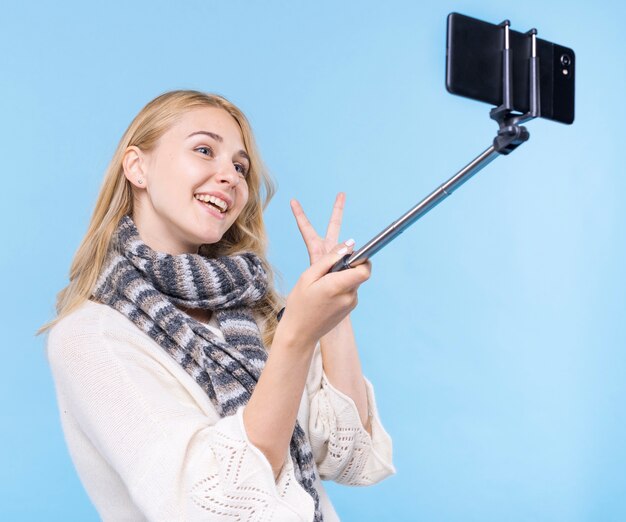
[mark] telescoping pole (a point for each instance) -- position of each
(405, 221)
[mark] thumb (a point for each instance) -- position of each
(322, 266)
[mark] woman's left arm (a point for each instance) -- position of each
(340, 357)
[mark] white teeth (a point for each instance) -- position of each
(213, 199)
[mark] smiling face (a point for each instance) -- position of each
(193, 183)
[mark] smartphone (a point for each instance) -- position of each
(474, 68)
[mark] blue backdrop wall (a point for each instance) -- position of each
(493, 330)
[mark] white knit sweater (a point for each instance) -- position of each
(148, 443)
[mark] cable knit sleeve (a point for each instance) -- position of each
(177, 459)
(344, 451)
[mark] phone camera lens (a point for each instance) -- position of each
(566, 60)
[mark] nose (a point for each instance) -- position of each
(226, 173)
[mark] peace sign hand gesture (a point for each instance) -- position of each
(316, 245)
(321, 300)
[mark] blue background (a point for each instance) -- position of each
(493, 329)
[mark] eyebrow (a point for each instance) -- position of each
(219, 139)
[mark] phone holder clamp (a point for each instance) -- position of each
(511, 134)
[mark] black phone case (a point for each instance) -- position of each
(474, 67)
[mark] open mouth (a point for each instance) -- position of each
(211, 201)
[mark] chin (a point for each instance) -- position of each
(211, 236)
(209, 241)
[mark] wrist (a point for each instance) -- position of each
(343, 326)
(290, 340)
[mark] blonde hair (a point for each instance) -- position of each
(116, 200)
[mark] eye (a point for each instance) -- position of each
(207, 151)
(241, 169)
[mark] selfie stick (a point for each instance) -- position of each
(510, 136)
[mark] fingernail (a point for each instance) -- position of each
(350, 242)
(343, 251)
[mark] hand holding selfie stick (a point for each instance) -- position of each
(510, 136)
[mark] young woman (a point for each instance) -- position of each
(181, 395)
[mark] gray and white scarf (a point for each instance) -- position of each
(145, 285)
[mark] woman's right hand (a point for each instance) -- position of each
(320, 300)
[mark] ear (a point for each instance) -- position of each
(134, 165)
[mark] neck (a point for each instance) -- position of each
(158, 236)
(199, 314)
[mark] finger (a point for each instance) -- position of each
(326, 262)
(363, 271)
(304, 225)
(352, 278)
(345, 281)
(334, 225)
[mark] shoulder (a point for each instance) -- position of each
(89, 320)
(96, 345)
(91, 329)
(83, 322)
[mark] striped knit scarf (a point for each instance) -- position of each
(145, 286)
